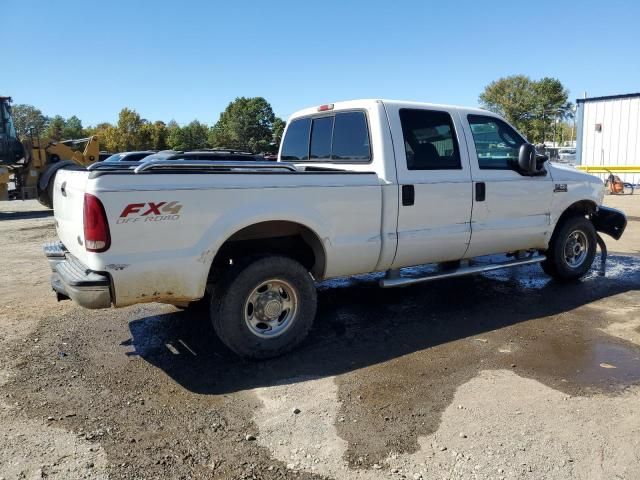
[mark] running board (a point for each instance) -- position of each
(397, 281)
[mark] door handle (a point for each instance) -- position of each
(481, 192)
(408, 195)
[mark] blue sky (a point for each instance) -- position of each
(187, 59)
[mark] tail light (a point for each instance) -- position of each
(96, 227)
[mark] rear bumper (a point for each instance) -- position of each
(71, 279)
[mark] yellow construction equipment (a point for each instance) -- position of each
(33, 163)
(34, 178)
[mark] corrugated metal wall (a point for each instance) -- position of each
(617, 139)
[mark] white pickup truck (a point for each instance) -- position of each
(359, 186)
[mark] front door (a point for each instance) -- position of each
(511, 211)
(435, 186)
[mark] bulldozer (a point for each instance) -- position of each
(33, 162)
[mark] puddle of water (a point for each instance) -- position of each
(610, 364)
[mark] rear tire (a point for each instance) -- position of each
(571, 250)
(264, 308)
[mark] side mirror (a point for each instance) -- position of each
(527, 158)
(531, 162)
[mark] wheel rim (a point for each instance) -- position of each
(271, 308)
(576, 248)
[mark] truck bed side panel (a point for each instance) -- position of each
(165, 236)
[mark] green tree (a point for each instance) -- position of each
(72, 128)
(193, 136)
(246, 124)
(154, 136)
(277, 131)
(128, 130)
(531, 106)
(28, 120)
(108, 138)
(551, 106)
(54, 129)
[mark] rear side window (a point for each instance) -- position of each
(296, 142)
(343, 137)
(351, 138)
(429, 140)
(497, 144)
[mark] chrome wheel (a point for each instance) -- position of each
(271, 308)
(576, 248)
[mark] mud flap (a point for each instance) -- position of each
(603, 255)
(610, 221)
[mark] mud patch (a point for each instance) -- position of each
(523, 429)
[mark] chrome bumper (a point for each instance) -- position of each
(71, 279)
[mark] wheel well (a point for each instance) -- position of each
(273, 237)
(583, 207)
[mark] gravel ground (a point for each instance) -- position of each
(503, 375)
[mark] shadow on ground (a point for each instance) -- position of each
(359, 325)
(26, 215)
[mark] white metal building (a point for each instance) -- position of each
(609, 133)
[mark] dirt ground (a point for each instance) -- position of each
(502, 375)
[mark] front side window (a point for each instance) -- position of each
(295, 146)
(497, 144)
(343, 137)
(429, 140)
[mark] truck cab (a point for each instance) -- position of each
(461, 190)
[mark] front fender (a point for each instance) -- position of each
(610, 221)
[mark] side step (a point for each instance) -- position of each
(54, 249)
(394, 280)
(55, 253)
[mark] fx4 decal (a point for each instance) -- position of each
(150, 212)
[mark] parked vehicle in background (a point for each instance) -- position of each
(361, 186)
(102, 156)
(129, 156)
(567, 155)
(212, 154)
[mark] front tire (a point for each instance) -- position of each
(264, 308)
(571, 250)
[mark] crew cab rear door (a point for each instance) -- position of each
(434, 175)
(511, 211)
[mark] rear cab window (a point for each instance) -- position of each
(429, 140)
(339, 137)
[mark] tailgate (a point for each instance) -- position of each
(68, 203)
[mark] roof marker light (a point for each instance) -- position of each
(324, 108)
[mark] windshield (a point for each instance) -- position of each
(114, 158)
(6, 115)
(159, 156)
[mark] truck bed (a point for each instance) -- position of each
(167, 222)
